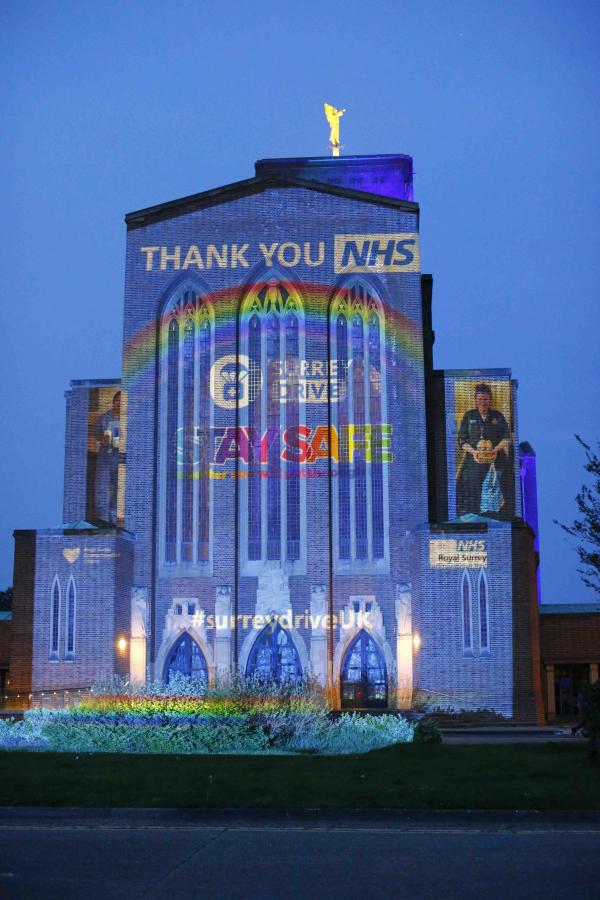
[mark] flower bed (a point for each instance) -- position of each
(239, 718)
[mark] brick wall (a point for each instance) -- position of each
(76, 445)
(5, 628)
(527, 686)
(21, 639)
(570, 637)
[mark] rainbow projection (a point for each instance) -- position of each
(235, 382)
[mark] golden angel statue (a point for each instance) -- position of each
(333, 117)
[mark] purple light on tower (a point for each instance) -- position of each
(529, 499)
(387, 174)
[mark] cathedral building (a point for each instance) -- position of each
(280, 483)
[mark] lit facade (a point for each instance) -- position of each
(279, 483)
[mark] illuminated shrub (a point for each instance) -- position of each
(243, 717)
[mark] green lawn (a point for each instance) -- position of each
(545, 776)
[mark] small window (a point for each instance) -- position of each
(70, 633)
(191, 609)
(178, 609)
(467, 618)
(54, 618)
(484, 619)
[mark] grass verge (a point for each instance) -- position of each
(545, 776)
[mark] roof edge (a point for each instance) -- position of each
(141, 217)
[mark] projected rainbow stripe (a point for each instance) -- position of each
(402, 334)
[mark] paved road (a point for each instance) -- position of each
(437, 857)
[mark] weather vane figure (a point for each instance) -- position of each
(333, 117)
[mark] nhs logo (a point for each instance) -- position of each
(376, 253)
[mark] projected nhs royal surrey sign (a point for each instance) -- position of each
(376, 253)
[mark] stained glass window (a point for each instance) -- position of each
(364, 674)
(359, 412)
(271, 329)
(344, 395)
(172, 434)
(187, 485)
(374, 377)
(273, 424)
(187, 348)
(254, 465)
(204, 442)
(292, 420)
(274, 656)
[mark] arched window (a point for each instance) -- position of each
(484, 616)
(467, 612)
(274, 656)
(364, 674)
(70, 619)
(272, 496)
(186, 658)
(186, 353)
(358, 411)
(54, 617)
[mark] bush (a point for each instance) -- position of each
(235, 717)
(427, 732)
(27, 733)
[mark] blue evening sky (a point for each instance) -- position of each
(108, 107)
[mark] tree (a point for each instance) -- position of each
(6, 600)
(586, 529)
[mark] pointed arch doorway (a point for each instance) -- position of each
(363, 675)
(274, 656)
(186, 658)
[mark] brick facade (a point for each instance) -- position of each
(416, 609)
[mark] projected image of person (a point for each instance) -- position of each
(107, 432)
(482, 484)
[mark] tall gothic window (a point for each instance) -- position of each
(70, 619)
(186, 352)
(272, 496)
(54, 617)
(467, 612)
(358, 408)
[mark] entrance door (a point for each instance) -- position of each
(364, 675)
(187, 658)
(274, 657)
(569, 682)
